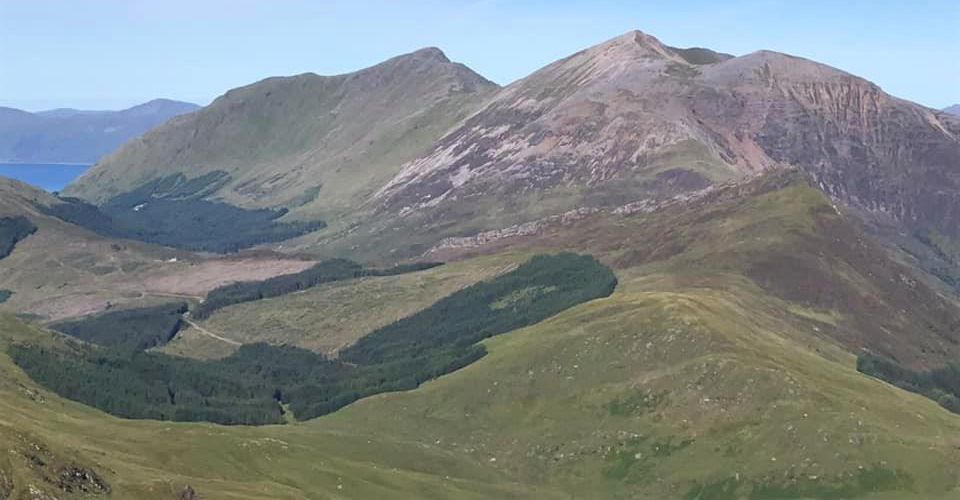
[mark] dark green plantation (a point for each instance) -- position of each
(5, 295)
(12, 230)
(171, 211)
(324, 272)
(941, 385)
(128, 329)
(247, 387)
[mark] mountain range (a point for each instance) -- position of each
(642, 271)
(77, 136)
(626, 120)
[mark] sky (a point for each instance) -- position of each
(112, 54)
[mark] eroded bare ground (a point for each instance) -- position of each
(201, 277)
(161, 282)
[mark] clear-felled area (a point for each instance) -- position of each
(172, 211)
(255, 384)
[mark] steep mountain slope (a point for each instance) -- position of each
(784, 237)
(76, 136)
(401, 155)
(721, 368)
(632, 118)
(953, 110)
(313, 143)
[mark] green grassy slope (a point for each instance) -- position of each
(153, 460)
(330, 317)
(700, 377)
(316, 144)
(787, 239)
(704, 375)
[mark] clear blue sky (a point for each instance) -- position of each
(108, 54)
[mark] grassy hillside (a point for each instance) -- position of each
(705, 375)
(329, 317)
(786, 238)
(315, 144)
(261, 383)
(701, 377)
(46, 436)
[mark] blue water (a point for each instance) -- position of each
(43, 175)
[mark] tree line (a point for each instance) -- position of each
(128, 329)
(325, 272)
(249, 386)
(941, 384)
(171, 211)
(12, 231)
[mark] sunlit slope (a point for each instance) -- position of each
(789, 241)
(701, 377)
(329, 317)
(704, 375)
(654, 394)
(316, 144)
(155, 460)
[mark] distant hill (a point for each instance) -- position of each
(953, 110)
(78, 136)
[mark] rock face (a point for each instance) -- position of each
(302, 140)
(632, 117)
(886, 156)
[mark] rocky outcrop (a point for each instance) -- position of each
(66, 476)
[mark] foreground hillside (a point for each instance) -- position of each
(704, 375)
(76, 136)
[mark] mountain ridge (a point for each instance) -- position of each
(625, 120)
(308, 142)
(731, 118)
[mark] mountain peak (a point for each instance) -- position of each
(430, 53)
(634, 41)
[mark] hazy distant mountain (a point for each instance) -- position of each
(954, 110)
(78, 136)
